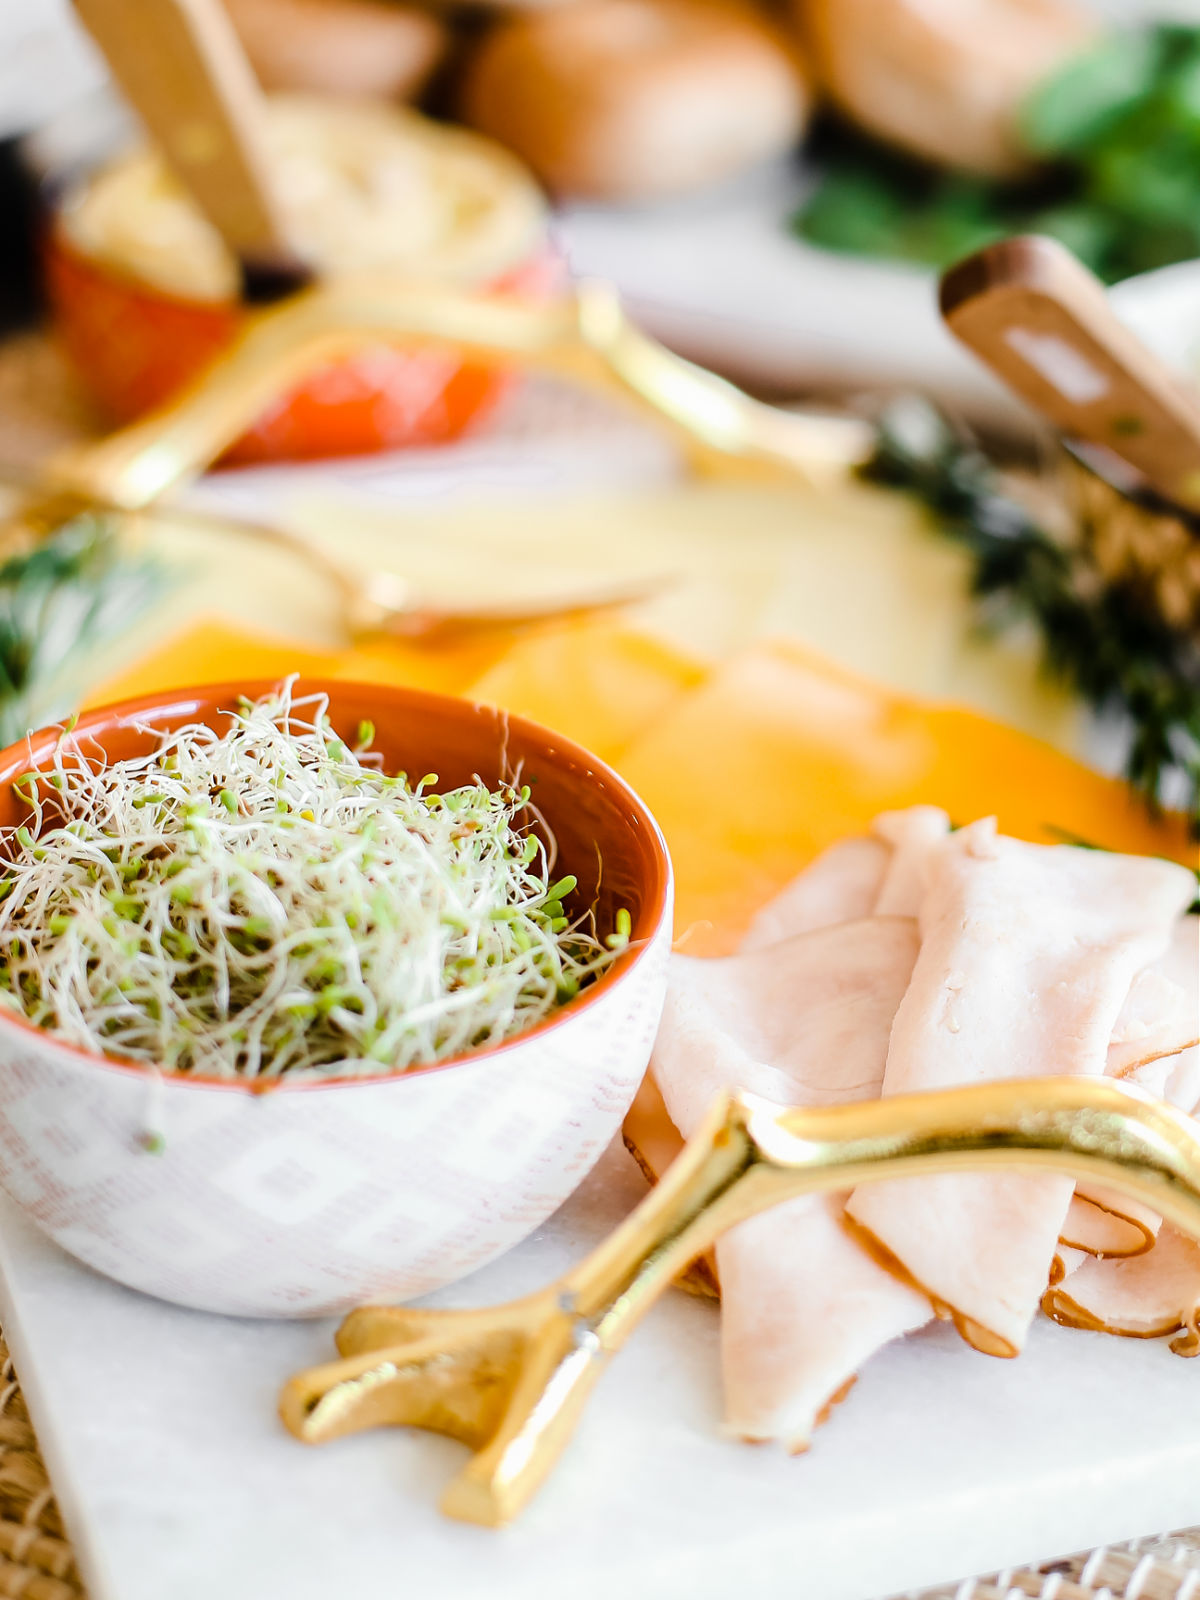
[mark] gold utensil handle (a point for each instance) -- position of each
(709, 411)
(751, 1155)
(278, 347)
(511, 1380)
(585, 339)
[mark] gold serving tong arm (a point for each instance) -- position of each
(373, 600)
(510, 1381)
(584, 336)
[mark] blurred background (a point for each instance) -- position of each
(764, 183)
(773, 188)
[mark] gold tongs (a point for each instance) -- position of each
(510, 1381)
(373, 600)
(584, 336)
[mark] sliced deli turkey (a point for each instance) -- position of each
(920, 958)
(1027, 955)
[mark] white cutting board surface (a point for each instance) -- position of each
(158, 1424)
(178, 1483)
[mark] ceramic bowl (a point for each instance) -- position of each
(312, 1197)
(134, 348)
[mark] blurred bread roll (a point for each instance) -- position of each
(943, 79)
(637, 99)
(353, 48)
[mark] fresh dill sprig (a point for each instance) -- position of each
(1103, 640)
(58, 601)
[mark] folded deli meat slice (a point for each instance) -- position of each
(1027, 955)
(1154, 1045)
(1101, 1223)
(1066, 1261)
(841, 885)
(911, 835)
(1144, 1298)
(1161, 1013)
(1174, 1078)
(802, 1310)
(876, 874)
(803, 1023)
(1181, 1084)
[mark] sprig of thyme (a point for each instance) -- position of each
(59, 601)
(1103, 640)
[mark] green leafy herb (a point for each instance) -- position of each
(57, 602)
(1119, 130)
(874, 201)
(1103, 640)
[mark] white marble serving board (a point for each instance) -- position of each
(177, 1482)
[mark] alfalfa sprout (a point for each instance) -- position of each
(267, 901)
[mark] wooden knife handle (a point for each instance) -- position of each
(181, 67)
(1044, 324)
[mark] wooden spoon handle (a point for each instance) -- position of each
(181, 67)
(1044, 324)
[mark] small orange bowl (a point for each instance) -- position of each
(317, 1195)
(135, 346)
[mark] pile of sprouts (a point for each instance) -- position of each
(267, 901)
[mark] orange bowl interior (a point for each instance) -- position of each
(605, 836)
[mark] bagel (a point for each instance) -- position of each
(637, 99)
(942, 79)
(350, 48)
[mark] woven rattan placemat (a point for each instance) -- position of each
(36, 1561)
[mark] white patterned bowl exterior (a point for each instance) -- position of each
(312, 1197)
(309, 1200)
